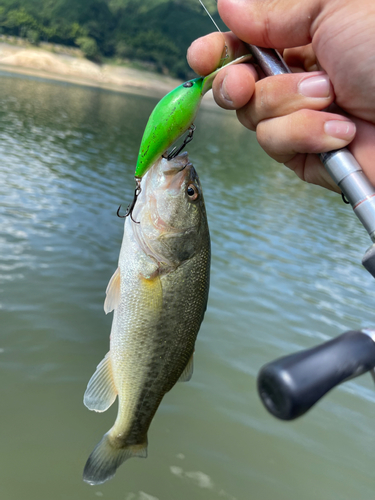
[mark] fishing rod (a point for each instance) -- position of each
(291, 385)
(340, 164)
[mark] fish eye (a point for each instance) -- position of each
(192, 192)
(188, 84)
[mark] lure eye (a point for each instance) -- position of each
(188, 84)
(192, 192)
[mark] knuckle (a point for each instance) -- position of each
(275, 96)
(266, 136)
(263, 102)
(245, 118)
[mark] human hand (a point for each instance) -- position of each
(285, 110)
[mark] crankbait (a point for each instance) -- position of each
(172, 117)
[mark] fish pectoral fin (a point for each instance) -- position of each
(148, 268)
(188, 371)
(113, 292)
(101, 391)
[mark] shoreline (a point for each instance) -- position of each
(75, 69)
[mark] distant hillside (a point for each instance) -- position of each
(148, 4)
(157, 32)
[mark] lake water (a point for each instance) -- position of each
(286, 275)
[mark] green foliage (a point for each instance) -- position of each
(77, 31)
(154, 31)
(33, 36)
(18, 21)
(150, 46)
(123, 50)
(88, 46)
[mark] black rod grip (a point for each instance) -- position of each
(291, 385)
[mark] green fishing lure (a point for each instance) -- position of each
(172, 117)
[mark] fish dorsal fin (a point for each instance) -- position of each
(101, 391)
(188, 371)
(113, 292)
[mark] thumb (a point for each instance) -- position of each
(269, 23)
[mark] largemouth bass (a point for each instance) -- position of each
(159, 295)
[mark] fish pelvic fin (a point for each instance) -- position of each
(107, 457)
(101, 391)
(113, 292)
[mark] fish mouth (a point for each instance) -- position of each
(180, 162)
(173, 171)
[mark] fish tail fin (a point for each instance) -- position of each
(107, 457)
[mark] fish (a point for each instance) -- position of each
(159, 296)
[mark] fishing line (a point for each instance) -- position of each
(219, 30)
(209, 15)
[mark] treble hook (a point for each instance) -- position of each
(129, 210)
(175, 152)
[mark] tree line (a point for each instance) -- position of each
(157, 32)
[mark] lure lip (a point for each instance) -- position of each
(208, 80)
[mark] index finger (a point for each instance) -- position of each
(205, 54)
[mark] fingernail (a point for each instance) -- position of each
(224, 92)
(340, 129)
(315, 86)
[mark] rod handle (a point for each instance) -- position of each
(290, 386)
